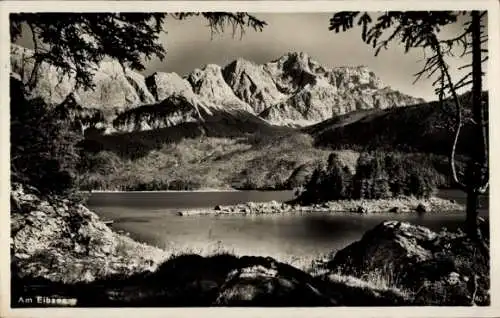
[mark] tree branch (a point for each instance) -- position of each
(458, 113)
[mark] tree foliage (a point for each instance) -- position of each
(379, 175)
(77, 42)
(421, 30)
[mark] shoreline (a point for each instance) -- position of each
(166, 191)
(400, 205)
(211, 190)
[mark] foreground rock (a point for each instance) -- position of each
(61, 249)
(222, 280)
(396, 205)
(66, 243)
(435, 268)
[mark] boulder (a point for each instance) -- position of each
(436, 266)
(391, 246)
(270, 283)
(261, 286)
(362, 210)
(252, 205)
(395, 210)
(56, 239)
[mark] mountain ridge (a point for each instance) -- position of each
(292, 90)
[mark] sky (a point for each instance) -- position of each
(191, 45)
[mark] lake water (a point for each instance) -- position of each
(150, 217)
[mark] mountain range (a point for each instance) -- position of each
(293, 90)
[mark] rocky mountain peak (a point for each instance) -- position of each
(252, 83)
(209, 83)
(294, 89)
(350, 77)
(163, 85)
(293, 62)
(115, 87)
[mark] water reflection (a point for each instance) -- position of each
(283, 236)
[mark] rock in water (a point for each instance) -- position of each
(395, 210)
(423, 208)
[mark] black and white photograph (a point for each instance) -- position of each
(249, 158)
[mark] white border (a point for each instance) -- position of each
(250, 6)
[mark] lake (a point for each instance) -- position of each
(150, 217)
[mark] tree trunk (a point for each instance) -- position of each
(477, 169)
(471, 221)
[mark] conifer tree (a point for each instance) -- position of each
(421, 30)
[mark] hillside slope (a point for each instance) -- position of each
(419, 128)
(246, 153)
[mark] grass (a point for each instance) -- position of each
(376, 282)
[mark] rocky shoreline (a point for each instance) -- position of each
(61, 249)
(64, 242)
(395, 205)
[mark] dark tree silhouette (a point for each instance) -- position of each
(421, 30)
